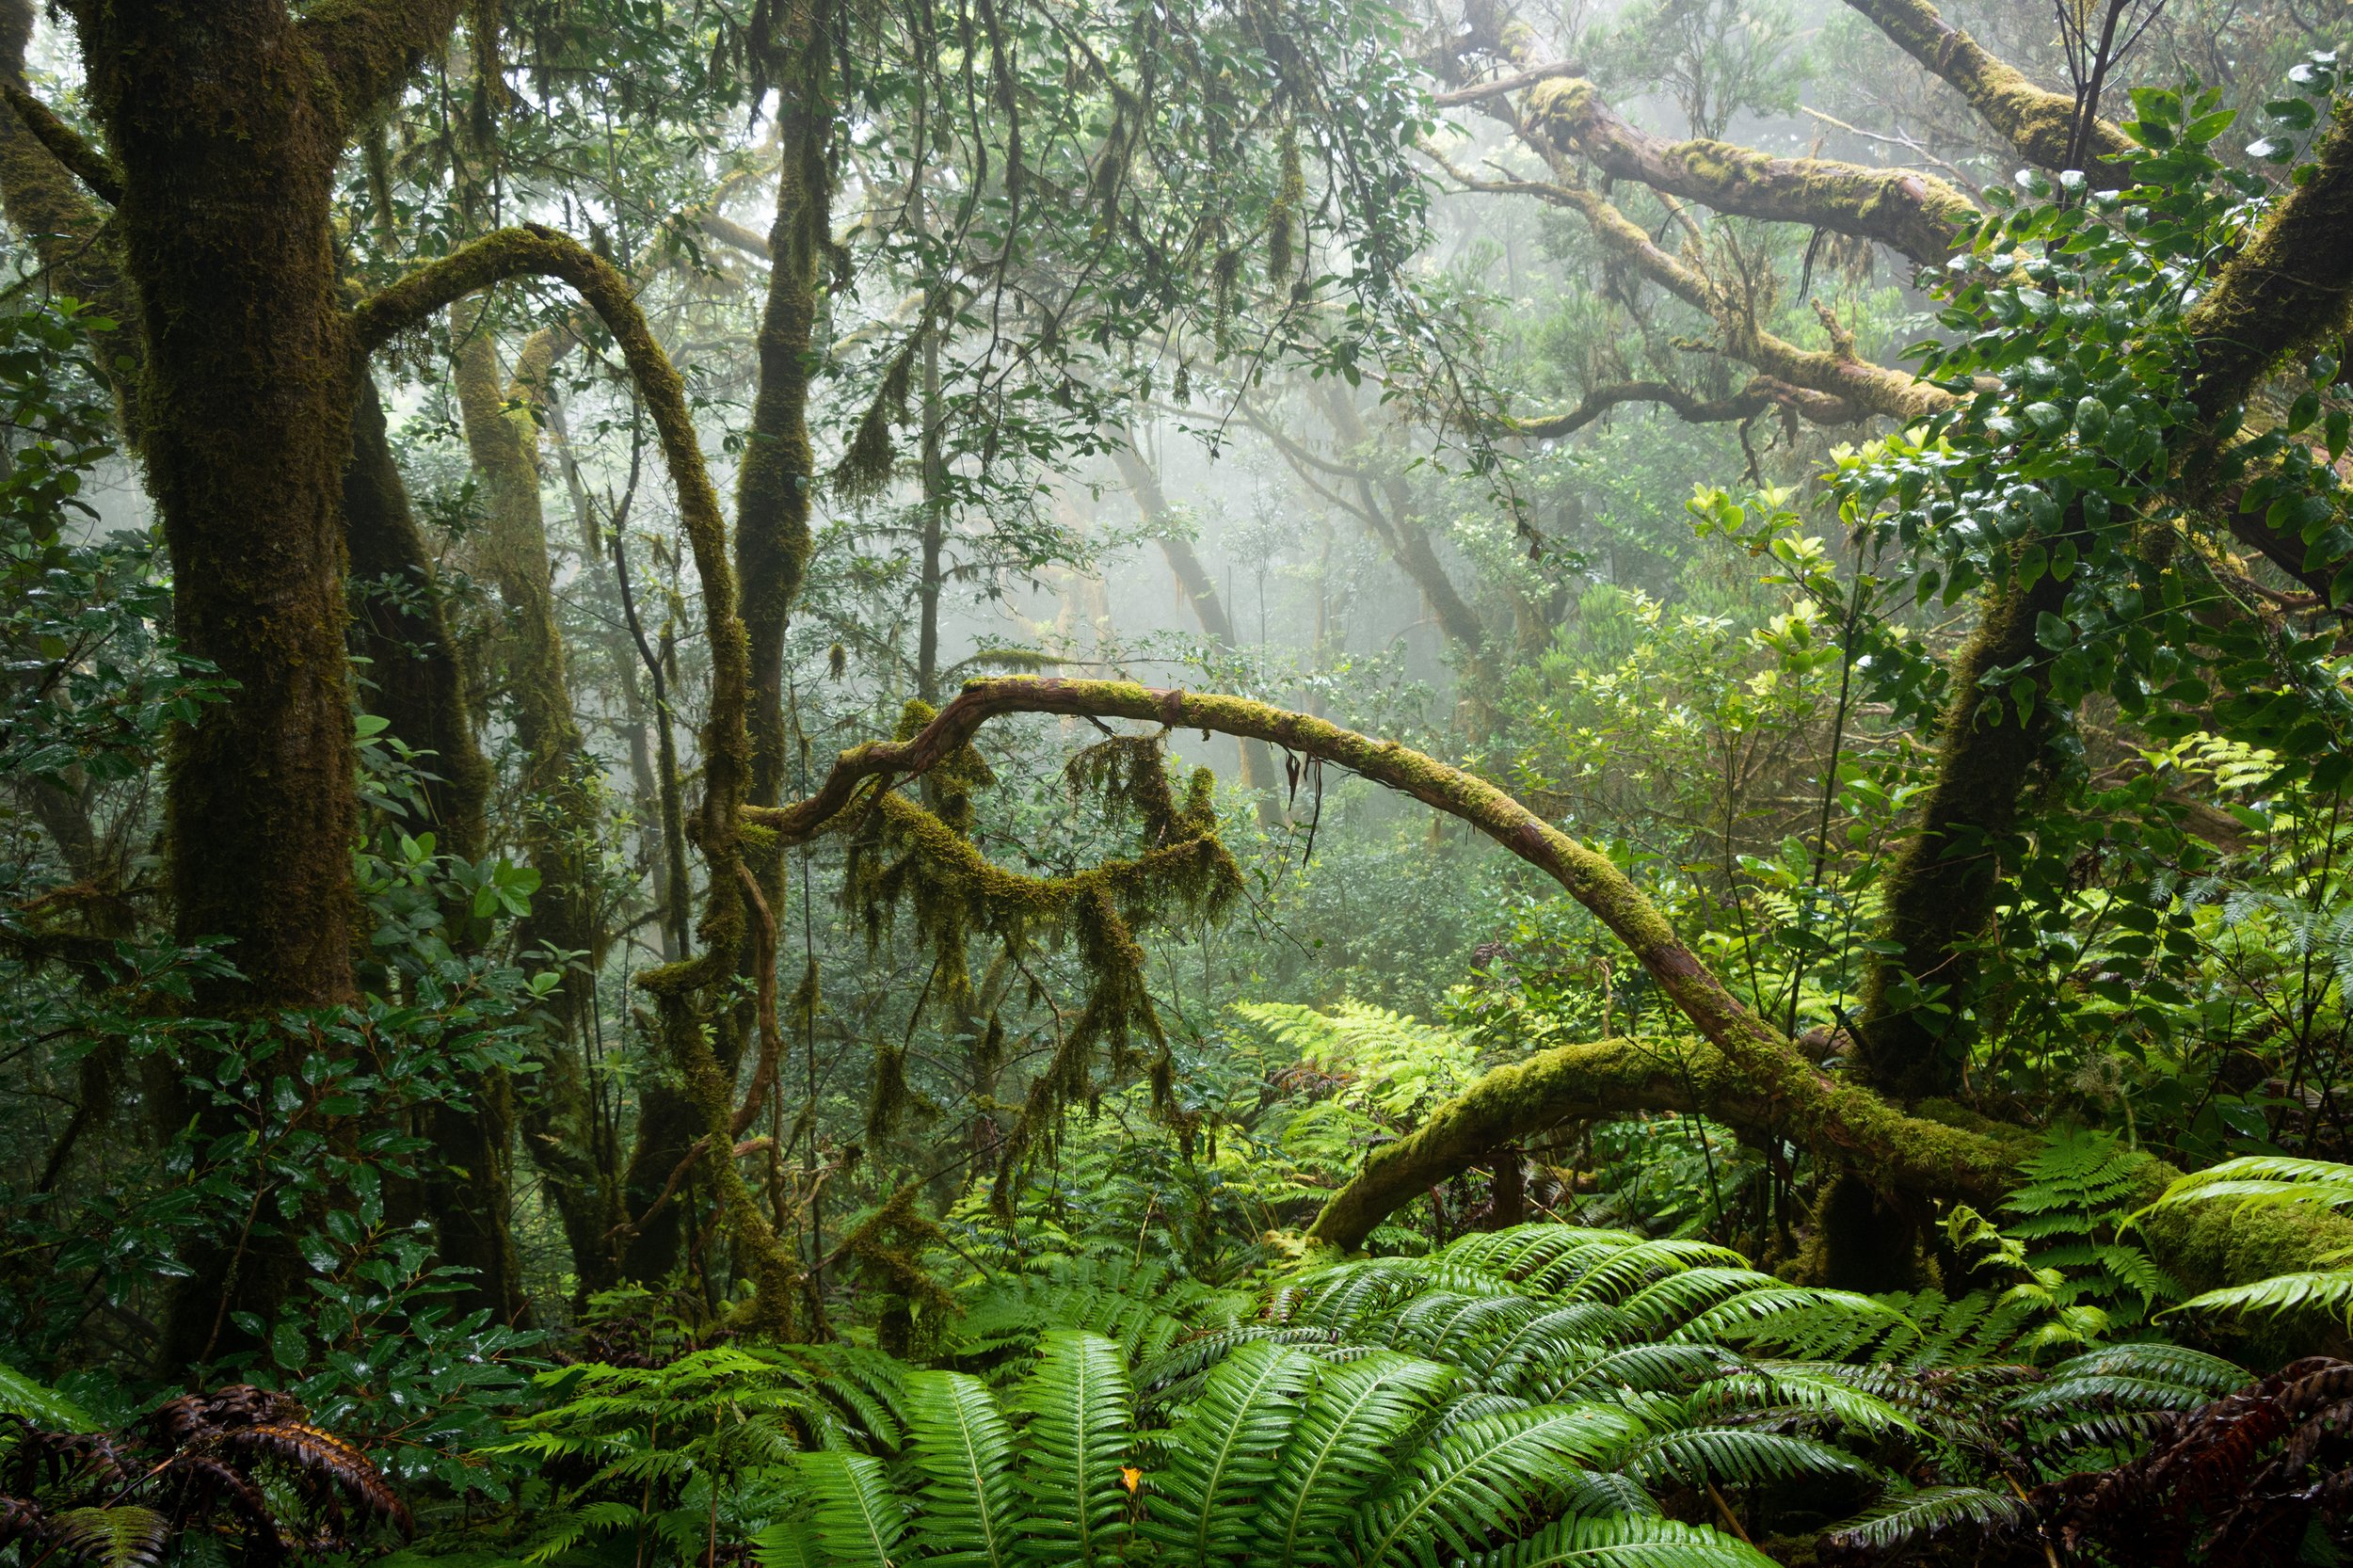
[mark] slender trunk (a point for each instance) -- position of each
(413, 680)
(1947, 877)
(1257, 762)
(935, 526)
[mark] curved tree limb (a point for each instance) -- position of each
(2034, 120)
(1839, 1119)
(1836, 371)
(65, 144)
(536, 251)
(2206, 1245)
(1761, 394)
(1914, 213)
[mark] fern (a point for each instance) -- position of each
(1908, 1517)
(856, 1518)
(1482, 1479)
(1623, 1541)
(1340, 1446)
(121, 1537)
(1081, 1428)
(960, 1442)
(1225, 1452)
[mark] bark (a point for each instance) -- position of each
(2290, 287)
(1409, 542)
(224, 123)
(1948, 877)
(2207, 1247)
(1915, 214)
(2035, 121)
(686, 991)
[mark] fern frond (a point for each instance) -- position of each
(124, 1537)
(2263, 1179)
(1221, 1456)
(1344, 1445)
(1623, 1541)
(2326, 1291)
(1080, 1432)
(959, 1443)
(1740, 1455)
(1910, 1517)
(1480, 1478)
(858, 1521)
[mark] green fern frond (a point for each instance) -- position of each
(1486, 1474)
(124, 1537)
(856, 1518)
(788, 1544)
(959, 1442)
(2263, 1179)
(1738, 1455)
(1911, 1518)
(1080, 1432)
(2195, 1372)
(1623, 1541)
(2328, 1293)
(1223, 1455)
(1344, 1445)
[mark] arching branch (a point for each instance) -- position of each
(65, 144)
(1761, 394)
(1839, 1119)
(1915, 214)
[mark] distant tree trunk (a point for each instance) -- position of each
(1257, 762)
(417, 687)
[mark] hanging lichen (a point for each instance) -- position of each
(919, 860)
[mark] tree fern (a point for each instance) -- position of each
(957, 1439)
(1080, 1432)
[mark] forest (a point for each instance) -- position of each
(1176, 783)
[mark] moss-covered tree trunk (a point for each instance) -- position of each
(224, 122)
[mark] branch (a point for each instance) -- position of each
(2208, 1245)
(65, 144)
(2034, 120)
(371, 47)
(1863, 388)
(2290, 286)
(1915, 214)
(1838, 1119)
(1480, 92)
(1722, 410)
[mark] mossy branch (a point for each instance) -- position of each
(1915, 214)
(66, 145)
(2291, 286)
(1839, 1119)
(369, 48)
(536, 251)
(2034, 120)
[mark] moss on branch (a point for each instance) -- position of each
(1915, 214)
(2035, 121)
